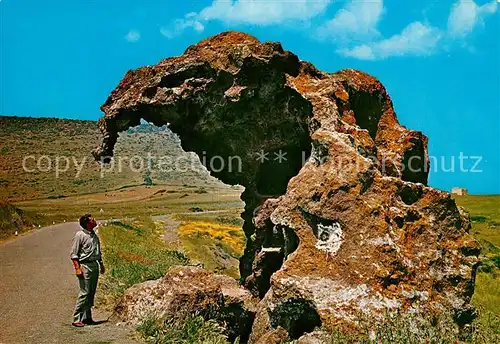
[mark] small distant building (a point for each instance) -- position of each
(459, 191)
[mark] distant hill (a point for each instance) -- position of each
(13, 219)
(43, 141)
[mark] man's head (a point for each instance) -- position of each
(88, 222)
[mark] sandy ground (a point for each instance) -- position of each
(38, 290)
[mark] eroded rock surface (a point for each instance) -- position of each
(186, 290)
(346, 224)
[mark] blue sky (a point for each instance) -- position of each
(439, 60)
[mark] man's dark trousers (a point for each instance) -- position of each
(88, 287)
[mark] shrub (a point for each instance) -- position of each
(479, 218)
(148, 181)
(229, 220)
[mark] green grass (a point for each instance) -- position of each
(193, 329)
(134, 252)
(485, 217)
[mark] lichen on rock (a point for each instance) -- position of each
(188, 290)
(346, 222)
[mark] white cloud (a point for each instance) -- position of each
(355, 20)
(415, 39)
(180, 25)
(255, 12)
(361, 52)
(465, 15)
(133, 36)
(262, 12)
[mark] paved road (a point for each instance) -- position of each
(38, 291)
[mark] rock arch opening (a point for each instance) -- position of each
(244, 113)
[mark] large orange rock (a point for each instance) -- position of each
(343, 223)
(187, 290)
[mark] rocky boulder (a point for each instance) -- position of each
(187, 290)
(338, 218)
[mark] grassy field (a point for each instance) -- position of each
(217, 247)
(134, 252)
(136, 201)
(485, 216)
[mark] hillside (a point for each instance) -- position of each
(44, 143)
(13, 219)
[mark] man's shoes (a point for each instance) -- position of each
(78, 324)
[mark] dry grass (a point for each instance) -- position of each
(74, 139)
(134, 202)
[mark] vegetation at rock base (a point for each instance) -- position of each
(213, 246)
(409, 328)
(193, 329)
(227, 236)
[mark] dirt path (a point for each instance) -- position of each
(170, 236)
(38, 291)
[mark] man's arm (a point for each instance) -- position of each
(75, 249)
(101, 265)
(78, 269)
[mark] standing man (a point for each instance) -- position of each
(87, 260)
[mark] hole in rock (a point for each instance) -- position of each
(238, 322)
(367, 111)
(271, 178)
(412, 216)
(316, 197)
(415, 165)
(282, 164)
(297, 316)
(409, 194)
(400, 221)
(277, 244)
